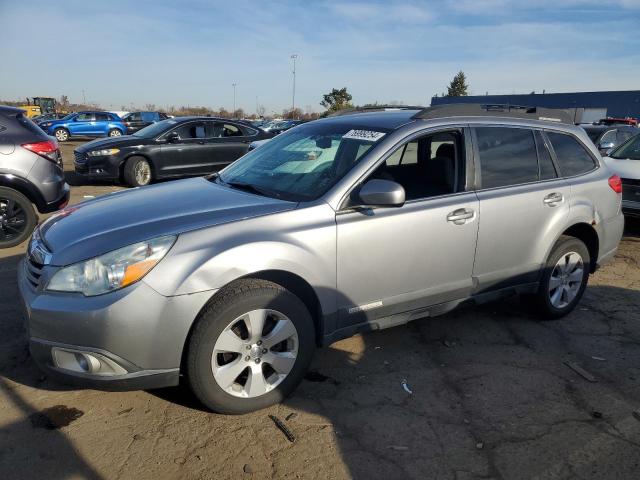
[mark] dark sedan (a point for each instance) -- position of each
(135, 121)
(172, 148)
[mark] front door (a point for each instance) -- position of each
(81, 124)
(185, 156)
(394, 260)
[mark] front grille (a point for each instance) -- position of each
(33, 271)
(80, 157)
(631, 189)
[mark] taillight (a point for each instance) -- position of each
(48, 150)
(615, 183)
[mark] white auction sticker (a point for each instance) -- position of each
(366, 135)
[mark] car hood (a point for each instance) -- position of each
(122, 218)
(112, 142)
(623, 167)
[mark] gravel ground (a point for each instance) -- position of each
(492, 397)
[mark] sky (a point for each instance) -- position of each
(173, 53)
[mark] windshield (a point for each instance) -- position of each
(303, 163)
(156, 129)
(594, 133)
(630, 149)
(67, 117)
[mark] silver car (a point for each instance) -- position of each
(625, 161)
(343, 225)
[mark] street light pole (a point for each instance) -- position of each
(293, 100)
(234, 98)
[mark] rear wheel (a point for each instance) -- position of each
(137, 172)
(17, 218)
(114, 132)
(564, 278)
(250, 348)
(61, 134)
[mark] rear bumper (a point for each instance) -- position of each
(58, 203)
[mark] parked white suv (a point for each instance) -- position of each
(352, 223)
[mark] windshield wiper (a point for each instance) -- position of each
(248, 187)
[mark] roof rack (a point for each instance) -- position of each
(374, 108)
(557, 115)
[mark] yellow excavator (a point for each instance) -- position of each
(39, 106)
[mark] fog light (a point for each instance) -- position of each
(85, 362)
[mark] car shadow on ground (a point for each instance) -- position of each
(479, 392)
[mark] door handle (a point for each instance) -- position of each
(553, 199)
(460, 216)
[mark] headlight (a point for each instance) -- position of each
(46, 124)
(113, 270)
(103, 153)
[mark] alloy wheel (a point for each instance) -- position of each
(255, 353)
(115, 133)
(62, 135)
(142, 173)
(13, 219)
(566, 279)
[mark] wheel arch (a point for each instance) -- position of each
(25, 187)
(589, 236)
(292, 282)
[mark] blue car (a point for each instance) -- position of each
(85, 124)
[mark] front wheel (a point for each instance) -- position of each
(137, 172)
(17, 218)
(250, 348)
(115, 132)
(564, 278)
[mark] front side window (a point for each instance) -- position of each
(609, 137)
(507, 156)
(148, 116)
(571, 155)
(191, 130)
(133, 117)
(84, 117)
(427, 166)
(624, 135)
(305, 163)
(630, 149)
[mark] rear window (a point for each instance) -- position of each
(507, 156)
(28, 124)
(572, 156)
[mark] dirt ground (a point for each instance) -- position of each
(492, 397)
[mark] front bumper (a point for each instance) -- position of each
(631, 208)
(135, 328)
(107, 167)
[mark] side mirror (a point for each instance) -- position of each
(173, 137)
(606, 145)
(381, 193)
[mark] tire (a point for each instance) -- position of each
(61, 134)
(114, 132)
(138, 172)
(212, 375)
(17, 218)
(571, 255)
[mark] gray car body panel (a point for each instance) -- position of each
(369, 267)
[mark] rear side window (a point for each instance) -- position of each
(547, 169)
(507, 156)
(102, 117)
(572, 157)
(27, 124)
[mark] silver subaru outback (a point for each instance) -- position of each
(347, 224)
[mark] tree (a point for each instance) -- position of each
(458, 86)
(261, 110)
(337, 99)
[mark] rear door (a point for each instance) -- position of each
(186, 156)
(227, 142)
(101, 124)
(523, 202)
